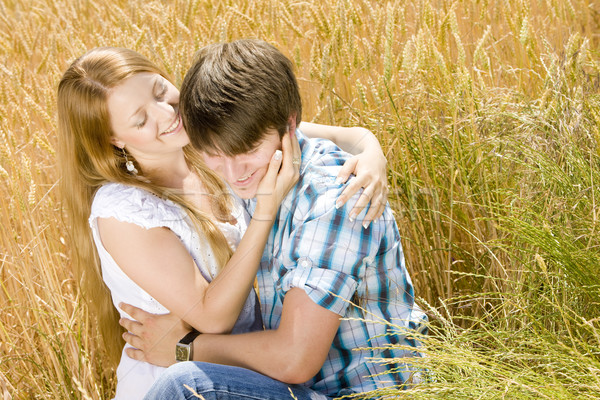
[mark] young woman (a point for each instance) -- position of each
(164, 227)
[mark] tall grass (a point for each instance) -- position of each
(489, 112)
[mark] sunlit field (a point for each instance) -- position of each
(488, 111)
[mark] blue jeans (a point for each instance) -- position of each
(214, 381)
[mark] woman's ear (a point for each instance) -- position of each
(116, 142)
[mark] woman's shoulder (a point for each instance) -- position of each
(116, 190)
(121, 193)
(133, 204)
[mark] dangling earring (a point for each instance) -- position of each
(129, 164)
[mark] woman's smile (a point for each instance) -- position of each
(174, 126)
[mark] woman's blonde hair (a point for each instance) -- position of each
(87, 160)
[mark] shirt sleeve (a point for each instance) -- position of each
(136, 206)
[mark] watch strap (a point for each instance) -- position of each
(189, 338)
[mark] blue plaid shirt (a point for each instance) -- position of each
(316, 247)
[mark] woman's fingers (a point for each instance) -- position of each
(283, 169)
(372, 198)
(363, 200)
(376, 208)
(296, 151)
(276, 183)
(292, 158)
(352, 187)
(347, 169)
(369, 168)
(281, 176)
(274, 165)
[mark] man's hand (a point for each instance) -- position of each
(153, 337)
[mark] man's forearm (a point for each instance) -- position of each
(264, 352)
(293, 353)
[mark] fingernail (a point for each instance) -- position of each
(338, 204)
(338, 181)
(366, 224)
(351, 218)
(277, 154)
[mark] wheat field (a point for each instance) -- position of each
(488, 110)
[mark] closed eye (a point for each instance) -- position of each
(142, 122)
(162, 90)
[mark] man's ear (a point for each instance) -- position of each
(292, 123)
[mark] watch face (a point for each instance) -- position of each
(182, 352)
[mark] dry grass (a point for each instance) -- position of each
(490, 114)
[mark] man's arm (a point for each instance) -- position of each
(292, 353)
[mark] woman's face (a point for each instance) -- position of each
(144, 116)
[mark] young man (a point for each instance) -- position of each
(337, 301)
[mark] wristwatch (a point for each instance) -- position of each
(184, 350)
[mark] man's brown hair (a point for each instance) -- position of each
(234, 92)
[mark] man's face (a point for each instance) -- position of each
(245, 171)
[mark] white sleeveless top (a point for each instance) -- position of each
(137, 206)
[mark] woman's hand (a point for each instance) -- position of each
(369, 166)
(370, 170)
(281, 176)
(153, 336)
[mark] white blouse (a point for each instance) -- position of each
(137, 206)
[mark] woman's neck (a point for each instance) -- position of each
(174, 172)
(169, 171)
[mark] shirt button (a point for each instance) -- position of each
(304, 262)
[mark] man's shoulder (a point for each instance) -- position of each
(321, 152)
(317, 182)
(317, 189)
(321, 161)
